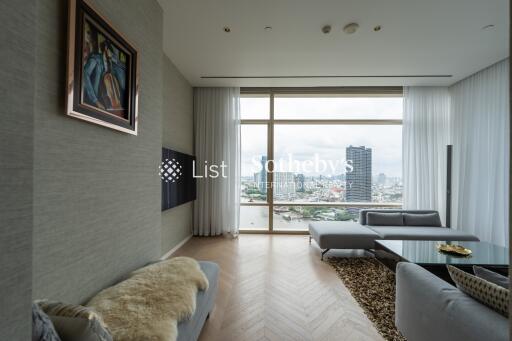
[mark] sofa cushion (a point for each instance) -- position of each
(80, 329)
(365, 211)
(55, 308)
(422, 219)
(421, 233)
(491, 276)
(42, 326)
(490, 294)
(384, 219)
(151, 302)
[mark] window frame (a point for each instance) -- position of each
(271, 123)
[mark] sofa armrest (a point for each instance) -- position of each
(189, 330)
(428, 308)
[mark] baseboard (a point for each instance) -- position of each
(174, 249)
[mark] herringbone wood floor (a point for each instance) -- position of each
(274, 287)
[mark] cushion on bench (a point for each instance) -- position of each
(363, 213)
(384, 219)
(422, 219)
(150, 303)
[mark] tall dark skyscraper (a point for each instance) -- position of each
(262, 183)
(299, 182)
(359, 181)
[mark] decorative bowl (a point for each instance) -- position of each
(454, 249)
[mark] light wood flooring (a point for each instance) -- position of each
(275, 287)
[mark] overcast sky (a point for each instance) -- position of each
(325, 142)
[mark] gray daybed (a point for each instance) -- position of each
(383, 224)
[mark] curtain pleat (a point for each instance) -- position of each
(480, 134)
(425, 136)
(217, 142)
(473, 116)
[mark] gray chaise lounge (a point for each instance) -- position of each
(359, 235)
(428, 308)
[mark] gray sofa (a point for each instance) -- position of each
(428, 308)
(189, 330)
(359, 235)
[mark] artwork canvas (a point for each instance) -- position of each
(102, 71)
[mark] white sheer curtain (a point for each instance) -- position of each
(217, 141)
(425, 134)
(480, 134)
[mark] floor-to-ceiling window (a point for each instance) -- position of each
(318, 155)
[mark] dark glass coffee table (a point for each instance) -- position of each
(425, 254)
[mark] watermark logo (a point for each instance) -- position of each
(212, 171)
(170, 170)
(293, 165)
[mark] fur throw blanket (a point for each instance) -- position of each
(150, 303)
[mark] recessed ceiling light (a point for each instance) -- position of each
(227, 29)
(488, 27)
(326, 29)
(351, 28)
(268, 28)
(377, 28)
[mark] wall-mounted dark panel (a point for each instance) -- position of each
(178, 182)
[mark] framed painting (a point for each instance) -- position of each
(102, 78)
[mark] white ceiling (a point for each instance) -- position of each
(418, 37)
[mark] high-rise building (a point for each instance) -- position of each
(359, 180)
(262, 182)
(299, 183)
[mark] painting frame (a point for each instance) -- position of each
(102, 71)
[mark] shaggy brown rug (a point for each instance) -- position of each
(373, 287)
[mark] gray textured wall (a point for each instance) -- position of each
(17, 23)
(96, 191)
(177, 134)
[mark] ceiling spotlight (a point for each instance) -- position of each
(377, 28)
(268, 28)
(351, 28)
(488, 27)
(326, 29)
(227, 29)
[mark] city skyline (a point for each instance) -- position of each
(327, 143)
(357, 185)
(262, 159)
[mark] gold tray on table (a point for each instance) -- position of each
(454, 249)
